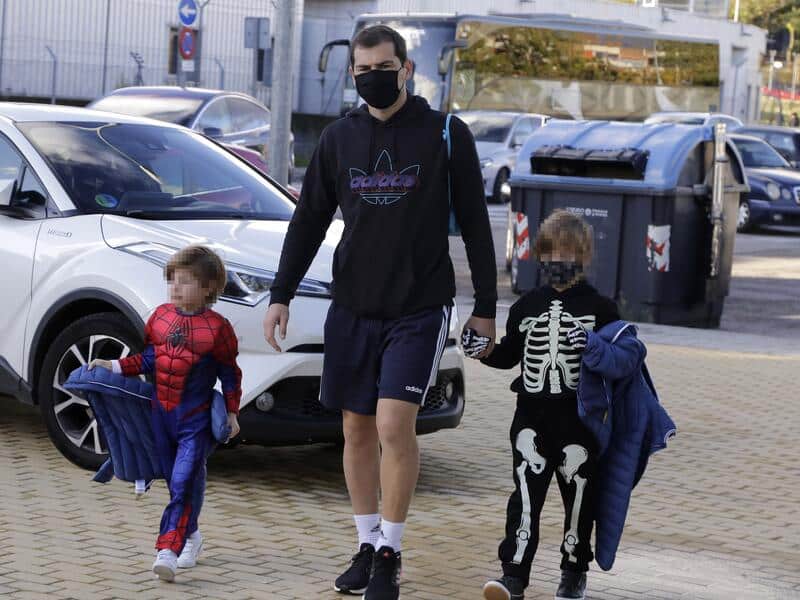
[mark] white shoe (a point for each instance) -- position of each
(165, 565)
(191, 551)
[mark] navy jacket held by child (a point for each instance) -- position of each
(122, 407)
(618, 403)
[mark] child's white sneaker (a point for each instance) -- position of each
(166, 565)
(191, 551)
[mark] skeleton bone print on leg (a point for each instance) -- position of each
(574, 457)
(548, 355)
(526, 445)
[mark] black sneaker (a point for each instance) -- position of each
(356, 578)
(384, 583)
(572, 586)
(505, 588)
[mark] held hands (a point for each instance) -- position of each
(99, 362)
(233, 423)
(578, 338)
(478, 337)
(277, 316)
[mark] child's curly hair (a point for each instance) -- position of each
(566, 232)
(204, 264)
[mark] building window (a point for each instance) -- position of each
(172, 61)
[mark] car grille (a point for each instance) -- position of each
(298, 397)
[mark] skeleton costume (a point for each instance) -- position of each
(547, 437)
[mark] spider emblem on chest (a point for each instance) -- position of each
(178, 336)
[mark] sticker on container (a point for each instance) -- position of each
(106, 201)
(523, 239)
(658, 247)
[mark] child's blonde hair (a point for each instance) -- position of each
(566, 232)
(204, 264)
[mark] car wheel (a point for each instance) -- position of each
(744, 222)
(69, 419)
(497, 194)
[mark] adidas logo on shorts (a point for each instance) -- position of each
(410, 388)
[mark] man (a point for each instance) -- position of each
(386, 166)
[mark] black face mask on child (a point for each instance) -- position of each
(560, 273)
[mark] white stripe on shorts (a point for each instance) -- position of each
(441, 342)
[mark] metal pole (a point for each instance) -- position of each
(794, 73)
(221, 74)
(2, 42)
(736, 11)
(55, 65)
(198, 51)
(282, 91)
(771, 69)
(105, 48)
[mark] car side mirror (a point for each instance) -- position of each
(212, 132)
(23, 212)
(322, 65)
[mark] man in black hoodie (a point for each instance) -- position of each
(386, 166)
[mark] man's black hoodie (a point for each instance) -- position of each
(390, 180)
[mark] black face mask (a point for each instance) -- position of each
(378, 88)
(560, 273)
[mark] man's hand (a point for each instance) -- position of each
(233, 423)
(99, 362)
(277, 316)
(483, 327)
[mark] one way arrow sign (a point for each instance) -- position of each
(187, 12)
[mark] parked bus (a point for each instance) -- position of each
(550, 64)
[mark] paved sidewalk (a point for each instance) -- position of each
(715, 517)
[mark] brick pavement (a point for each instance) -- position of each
(715, 517)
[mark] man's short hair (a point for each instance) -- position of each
(369, 37)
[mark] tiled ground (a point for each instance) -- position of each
(717, 515)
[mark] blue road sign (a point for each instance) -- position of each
(187, 12)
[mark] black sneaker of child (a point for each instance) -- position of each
(505, 588)
(385, 581)
(356, 578)
(572, 586)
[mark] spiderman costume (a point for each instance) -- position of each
(187, 353)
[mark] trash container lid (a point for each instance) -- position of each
(644, 158)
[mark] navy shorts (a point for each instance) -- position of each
(367, 359)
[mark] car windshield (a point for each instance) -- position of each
(488, 128)
(757, 154)
(150, 171)
(172, 109)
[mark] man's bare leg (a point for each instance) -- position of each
(399, 467)
(361, 461)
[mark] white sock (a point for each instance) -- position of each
(391, 535)
(369, 529)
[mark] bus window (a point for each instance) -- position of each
(572, 74)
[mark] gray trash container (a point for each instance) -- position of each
(662, 200)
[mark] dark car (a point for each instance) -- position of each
(774, 197)
(227, 117)
(785, 140)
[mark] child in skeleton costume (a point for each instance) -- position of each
(546, 333)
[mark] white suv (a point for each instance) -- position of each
(91, 207)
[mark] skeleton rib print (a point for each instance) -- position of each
(548, 356)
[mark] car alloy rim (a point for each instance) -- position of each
(744, 214)
(73, 414)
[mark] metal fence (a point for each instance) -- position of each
(92, 42)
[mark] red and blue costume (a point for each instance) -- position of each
(187, 354)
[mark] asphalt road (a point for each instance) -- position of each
(765, 291)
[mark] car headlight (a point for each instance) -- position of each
(773, 191)
(245, 285)
(786, 194)
(486, 162)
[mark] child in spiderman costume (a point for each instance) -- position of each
(187, 347)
